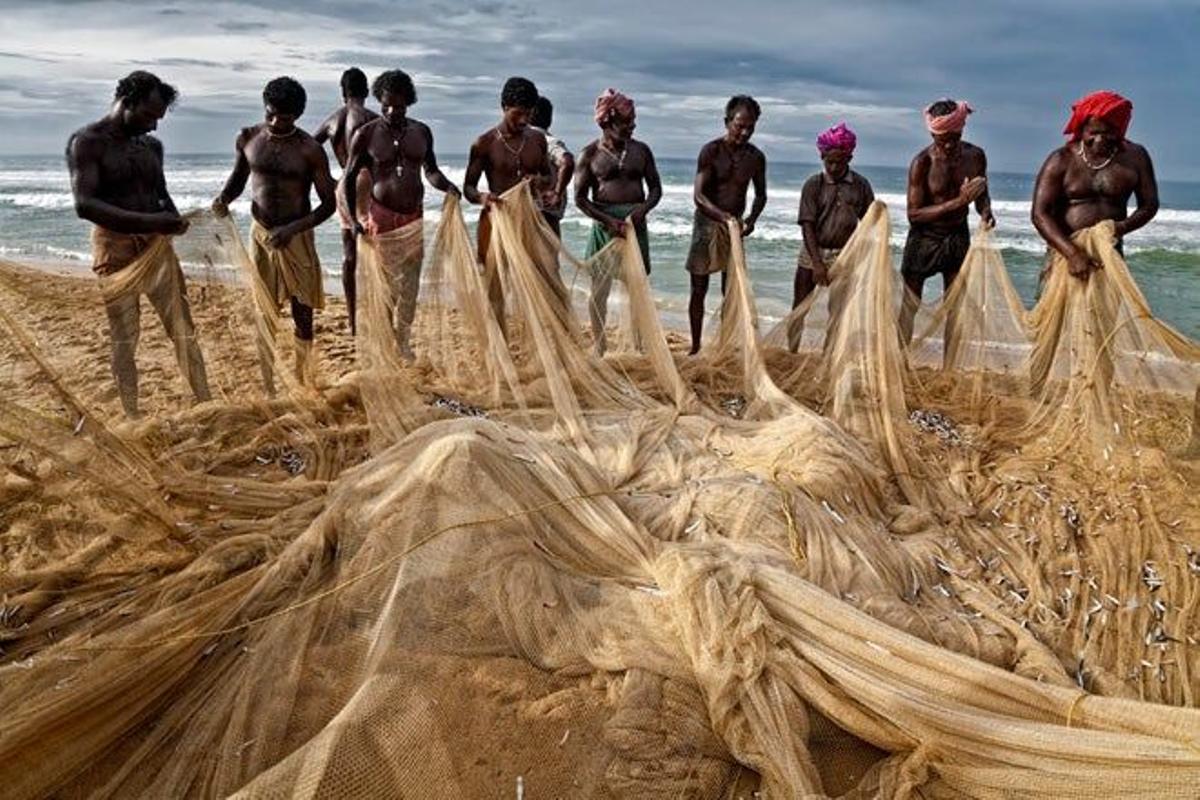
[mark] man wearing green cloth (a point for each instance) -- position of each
(616, 179)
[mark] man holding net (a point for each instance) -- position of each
(286, 164)
(505, 155)
(944, 180)
(394, 150)
(724, 171)
(339, 129)
(117, 179)
(831, 204)
(617, 180)
(552, 196)
(1091, 178)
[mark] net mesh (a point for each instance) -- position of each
(965, 568)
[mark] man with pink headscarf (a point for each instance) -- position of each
(1090, 179)
(831, 204)
(944, 180)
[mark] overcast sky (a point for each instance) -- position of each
(874, 64)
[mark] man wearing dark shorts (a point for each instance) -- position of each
(617, 179)
(724, 171)
(944, 179)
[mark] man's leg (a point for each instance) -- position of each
(696, 307)
(802, 286)
(124, 326)
(168, 295)
(915, 285)
(302, 319)
(349, 265)
(598, 306)
(408, 286)
(554, 223)
(491, 271)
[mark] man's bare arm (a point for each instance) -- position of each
(653, 184)
(760, 195)
(704, 170)
(236, 183)
(326, 188)
(566, 169)
(983, 203)
(358, 159)
(475, 162)
(164, 197)
(325, 132)
(1146, 194)
(83, 161)
(433, 173)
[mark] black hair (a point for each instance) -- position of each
(285, 95)
(543, 114)
(742, 101)
(139, 85)
(518, 93)
(354, 84)
(395, 81)
(942, 107)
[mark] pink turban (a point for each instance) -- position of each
(1108, 106)
(953, 122)
(839, 137)
(612, 102)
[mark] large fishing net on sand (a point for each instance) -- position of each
(511, 567)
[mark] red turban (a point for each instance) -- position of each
(1108, 106)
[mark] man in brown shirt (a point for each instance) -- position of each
(831, 204)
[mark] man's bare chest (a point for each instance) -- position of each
(272, 159)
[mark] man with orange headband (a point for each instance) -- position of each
(1091, 177)
(944, 180)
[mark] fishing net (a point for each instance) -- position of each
(510, 565)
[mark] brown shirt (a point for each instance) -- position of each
(835, 207)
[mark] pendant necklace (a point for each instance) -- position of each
(516, 154)
(397, 141)
(618, 157)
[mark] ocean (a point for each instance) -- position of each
(37, 222)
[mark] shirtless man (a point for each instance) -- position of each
(338, 129)
(507, 154)
(117, 178)
(393, 150)
(724, 171)
(1090, 179)
(286, 164)
(617, 179)
(944, 179)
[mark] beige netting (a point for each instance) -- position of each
(519, 567)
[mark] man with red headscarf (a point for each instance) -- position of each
(944, 180)
(1090, 179)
